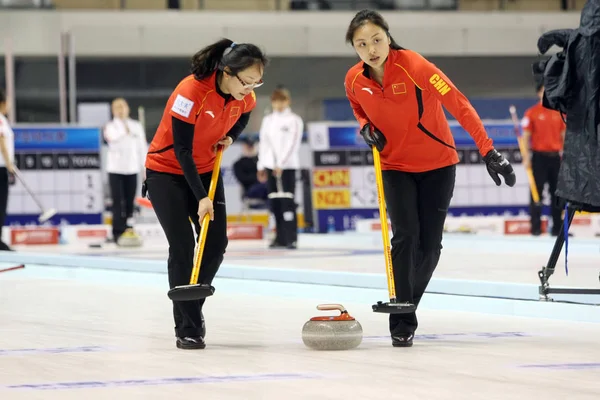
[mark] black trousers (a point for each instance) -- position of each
(122, 190)
(545, 168)
(283, 208)
(417, 205)
(174, 205)
(4, 183)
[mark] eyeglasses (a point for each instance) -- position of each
(249, 85)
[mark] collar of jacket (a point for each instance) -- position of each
(286, 110)
(215, 81)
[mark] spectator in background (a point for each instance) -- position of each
(244, 168)
(278, 159)
(7, 159)
(543, 135)
(254, 192)
(125, 159)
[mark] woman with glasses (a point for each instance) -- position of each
(210, 107)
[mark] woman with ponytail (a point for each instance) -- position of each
(209, 107)
(398, 98)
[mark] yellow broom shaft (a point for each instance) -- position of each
(205, 221)
(200, 250)
(532, 186)
(534, 192)
(387, 251)
(531, 179)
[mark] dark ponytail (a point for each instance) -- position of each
(364, 16)
(226, 53)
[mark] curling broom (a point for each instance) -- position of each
(523, 150)
(195, 291)
(46, 213)
(391, 307)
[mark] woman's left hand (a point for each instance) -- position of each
(225, 142)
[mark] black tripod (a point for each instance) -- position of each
(546, 272)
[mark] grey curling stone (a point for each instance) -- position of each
(341, 332)
(129, 239)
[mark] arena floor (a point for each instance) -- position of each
(72, 333)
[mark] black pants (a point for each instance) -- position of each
(417, 205)
(3, 202)
(545, 168)
(284, 208)
(122, 190)
(174, 205)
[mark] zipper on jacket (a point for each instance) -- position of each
(421, 107)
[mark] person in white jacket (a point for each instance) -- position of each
(127, 147)
(7, 162)
(278, 159)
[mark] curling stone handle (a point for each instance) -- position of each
(328, 307)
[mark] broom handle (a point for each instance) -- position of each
(27, 188)
(205, 221)
(531, 179)
(384, 226)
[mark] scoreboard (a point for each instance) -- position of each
(62, 166)
(344, 186)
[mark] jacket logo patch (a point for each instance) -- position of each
(235, 112)
(399, 88)
(182, 106)
(439, 84)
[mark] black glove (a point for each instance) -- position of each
(373, 137)
(145, 190)
(497, 164)
(11, 179)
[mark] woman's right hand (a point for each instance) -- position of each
(206, 206)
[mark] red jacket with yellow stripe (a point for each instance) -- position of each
(196, 102)
(407, 109)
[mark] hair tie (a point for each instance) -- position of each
(229, 49)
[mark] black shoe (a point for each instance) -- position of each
(191, 343)
(404, 340)
(292, 246)
(276, 245)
